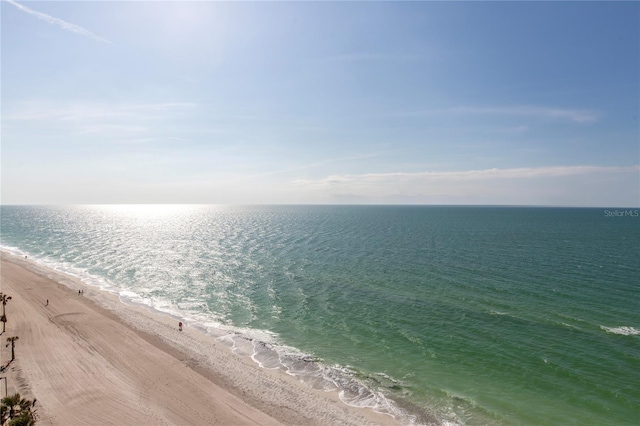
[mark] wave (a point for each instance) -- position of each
(623, 330)
(262, 346)
(14, 251)
(353, 388)
(572, 327)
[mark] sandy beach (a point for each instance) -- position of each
(91, 360)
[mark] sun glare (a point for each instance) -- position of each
(149, 211)
(187, 26)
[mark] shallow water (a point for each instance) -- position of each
(469, 315)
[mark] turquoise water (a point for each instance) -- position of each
(465, 315)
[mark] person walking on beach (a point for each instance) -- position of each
(180, 326)
(47, 303)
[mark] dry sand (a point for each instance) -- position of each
(92, 360)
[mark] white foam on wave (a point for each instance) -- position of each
(126, 296)
(265, 350)
(47, 264)
(15, 251)
(357, 394)
(262, 346)
(573, 327)
(623, 330)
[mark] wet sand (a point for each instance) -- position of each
(90, 359)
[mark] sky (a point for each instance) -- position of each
(491, 103)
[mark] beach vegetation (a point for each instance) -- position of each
(12, 341)
(4, 298)
(17, 411)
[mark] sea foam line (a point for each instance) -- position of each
(623, 330)
(243, 342)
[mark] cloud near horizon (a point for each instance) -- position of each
(525, 185)
(494, 173)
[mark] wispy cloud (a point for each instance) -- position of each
(373, 57)
(575, 115)
(472, 175)
(60, 23)
(41, 110)
(528, 185)
(540, 112)
(317, 164)
(115, 121)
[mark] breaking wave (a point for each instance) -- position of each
(624, 330)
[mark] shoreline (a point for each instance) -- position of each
(108, 355)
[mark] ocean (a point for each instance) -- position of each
(434, 314)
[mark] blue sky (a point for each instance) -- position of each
(532, 103)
